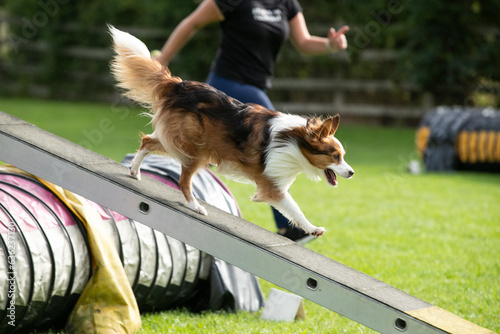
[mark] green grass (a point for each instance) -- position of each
(435, 236)
(109, 130)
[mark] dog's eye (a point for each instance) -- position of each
(336, 156)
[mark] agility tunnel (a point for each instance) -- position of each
(46, 261)
(456, 138)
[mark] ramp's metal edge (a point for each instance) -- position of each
(172, 219)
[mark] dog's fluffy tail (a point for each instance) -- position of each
(136, 72)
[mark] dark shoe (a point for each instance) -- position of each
(298, 235)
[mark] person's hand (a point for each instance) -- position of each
(336, 39)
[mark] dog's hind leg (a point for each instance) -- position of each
(186, 188)
(149, 143)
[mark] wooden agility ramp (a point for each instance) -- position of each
(322, 280)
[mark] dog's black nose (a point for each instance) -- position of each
(351, 173)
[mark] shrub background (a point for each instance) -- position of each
(446, 48)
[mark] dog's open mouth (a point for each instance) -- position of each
(331, 177)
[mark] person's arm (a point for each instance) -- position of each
(206, 13)
(307, 44)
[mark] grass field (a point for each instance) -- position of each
(435, 236)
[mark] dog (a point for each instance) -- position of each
(199, 126)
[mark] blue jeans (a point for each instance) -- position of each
(247, 94)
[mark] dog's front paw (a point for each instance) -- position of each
(201, 210)
(318, 231)
(136, 174)
(197, 207)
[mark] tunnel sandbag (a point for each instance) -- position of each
(456, 138)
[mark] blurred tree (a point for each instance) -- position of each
(446, 48)
(449, 49)
(42, 32)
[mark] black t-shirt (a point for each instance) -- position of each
(252, 34)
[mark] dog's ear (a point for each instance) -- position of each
(313, 126)
(329, 126)
(326, 128)
(335, 124)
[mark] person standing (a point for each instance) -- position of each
(253, 32)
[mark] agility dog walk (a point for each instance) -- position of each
(198, 125)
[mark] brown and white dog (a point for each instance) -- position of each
(198, 125)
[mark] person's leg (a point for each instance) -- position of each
(242, 92)
(251, 94)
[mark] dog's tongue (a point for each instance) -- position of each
(331, 177)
